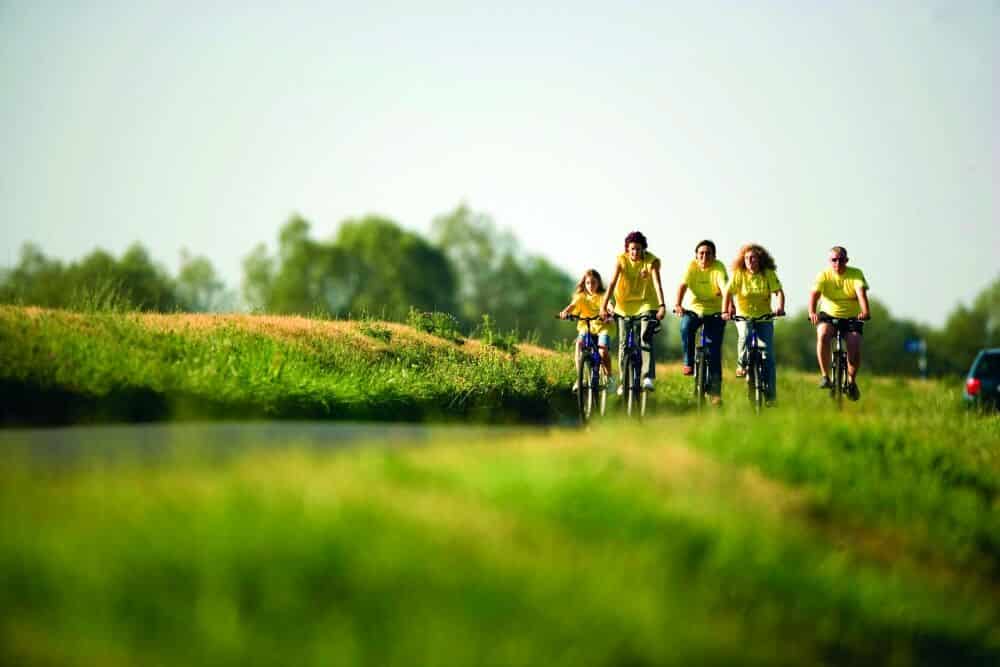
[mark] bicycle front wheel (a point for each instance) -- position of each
(700, 378)
(839, 377)
(760, 374)
(583, 389)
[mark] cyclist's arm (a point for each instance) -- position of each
(662, 310)
(678, 308)
(813, 300)
(727, 305)
(862, 293)
(780, 310)
(611, 289)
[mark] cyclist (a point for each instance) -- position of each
(637, 289)
(844, 294)
(586, 302)
(753, 282)
(706, 278)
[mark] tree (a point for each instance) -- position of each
(518, 292)
(372, 265)
(199, 289)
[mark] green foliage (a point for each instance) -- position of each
(444, 325)
(372, 265)
(99, 282)
(488, 332)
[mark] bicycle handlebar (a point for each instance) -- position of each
(574, 318)
(762, 318)
(714, 316)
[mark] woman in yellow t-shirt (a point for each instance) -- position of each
(637, 290)
(705, 279)
(753, 282)
(587, 300)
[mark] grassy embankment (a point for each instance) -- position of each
(62, 367)
(870, 536)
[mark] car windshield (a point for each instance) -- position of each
(988, 366)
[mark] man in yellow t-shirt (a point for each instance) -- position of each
(705, 280)
(637, 290)
(841, 292)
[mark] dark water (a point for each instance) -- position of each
(156, 442)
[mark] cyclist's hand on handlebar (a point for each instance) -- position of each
(865, 316)
(661, 312)
(814, 318)
(679, 310)
(780, 312)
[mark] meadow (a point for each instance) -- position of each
(805, 536)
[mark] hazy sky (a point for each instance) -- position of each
(798, 125)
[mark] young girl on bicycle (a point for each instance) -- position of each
(587, 303)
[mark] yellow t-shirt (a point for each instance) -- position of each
(839, 292)
(752, 291)
(635, 292)
(589, 305)
(705, 287)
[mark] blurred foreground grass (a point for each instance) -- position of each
(803, 537)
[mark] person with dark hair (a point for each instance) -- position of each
(841, 292)
(637, 290)
(586, 302)
(753, 282)
(705, 279)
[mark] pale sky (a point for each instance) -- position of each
(797, 125)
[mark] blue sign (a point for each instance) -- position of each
(914, 345)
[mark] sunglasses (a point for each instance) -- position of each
(837, 260)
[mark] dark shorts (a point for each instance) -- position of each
(845, 326)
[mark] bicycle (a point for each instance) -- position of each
(702, 381)
(591, 377)
(838, 359)
(635, 397)
(756, 366)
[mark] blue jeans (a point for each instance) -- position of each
(765, 342)
(715, 330)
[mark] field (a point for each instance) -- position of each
(805, 536)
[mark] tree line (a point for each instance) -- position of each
(468, 267)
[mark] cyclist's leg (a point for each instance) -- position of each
(765, 336)
(646, 345)
(824, 334)
(715, 329)
(853, 340)
(741, 346)
(603, 342)
(689, 326)
(622, 335)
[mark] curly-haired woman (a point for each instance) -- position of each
(754, 280)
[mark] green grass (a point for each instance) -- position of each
(60, 367)
(805, 536)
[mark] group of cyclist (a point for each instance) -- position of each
(715, 297)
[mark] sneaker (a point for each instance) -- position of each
(576, 387)
(853, 392)
(620, 390)
(715, 400)
(687, 370)
(647, 384)
(741, 372)
(825, 383)
(770, 403)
